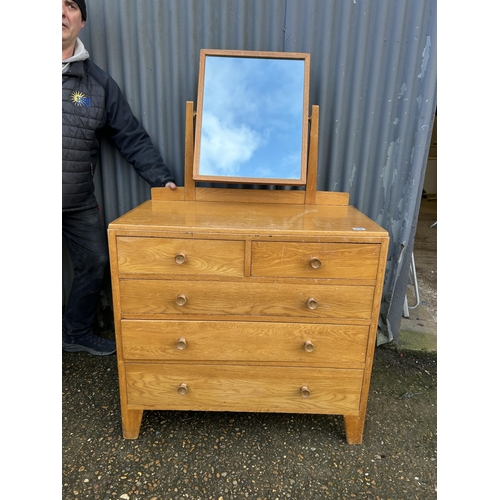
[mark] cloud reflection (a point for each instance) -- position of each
(252, 117)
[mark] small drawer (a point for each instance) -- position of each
(243, 388)
(315, 260)
(211, 298)
(227, 341)
(182, 257)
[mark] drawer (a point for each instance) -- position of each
(315, 260)
(153, 297)
(243, 388)
(175, 256)
(232, 341)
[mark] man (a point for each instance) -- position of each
(92, 103)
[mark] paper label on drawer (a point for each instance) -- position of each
(358, 229)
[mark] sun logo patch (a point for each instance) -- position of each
(80, 99)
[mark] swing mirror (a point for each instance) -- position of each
(252, 117)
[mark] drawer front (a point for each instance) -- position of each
(245, 299)
(243, 388)
(180, 257)
(231, 341)
(315, 260)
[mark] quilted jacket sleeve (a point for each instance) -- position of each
(128, 134)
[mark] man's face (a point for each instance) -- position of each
(72, 22)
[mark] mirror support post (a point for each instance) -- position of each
(312, 160)
(189, 183)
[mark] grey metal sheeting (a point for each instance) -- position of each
(373, 75)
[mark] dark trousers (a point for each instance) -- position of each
(85, 237)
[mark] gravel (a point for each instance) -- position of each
(222, 456)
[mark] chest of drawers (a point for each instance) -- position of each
(255, 307)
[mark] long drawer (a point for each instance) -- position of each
(315, 260)
(243, 388)
(245, 299)
(182, 257)
(235, 341)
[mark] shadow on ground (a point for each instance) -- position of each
(202, 455)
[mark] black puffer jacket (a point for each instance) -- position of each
(92, 103)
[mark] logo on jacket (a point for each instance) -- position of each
(80, 99)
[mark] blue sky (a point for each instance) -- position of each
(252, 117)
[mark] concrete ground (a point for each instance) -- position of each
(222, 456)
(419, 330)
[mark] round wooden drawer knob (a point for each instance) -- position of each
(181, 299)
(315, 263)
(305, 392)
(182, 389)
(311, 303)
(180, 258)
(308, 346)
(181, 344)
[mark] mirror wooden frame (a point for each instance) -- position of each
(200, 177)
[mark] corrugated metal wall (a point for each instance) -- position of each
(373, 75)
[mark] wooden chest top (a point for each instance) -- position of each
(255, 218)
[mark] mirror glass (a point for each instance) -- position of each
(252, 117)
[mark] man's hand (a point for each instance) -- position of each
(171, 185)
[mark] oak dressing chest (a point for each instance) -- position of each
(251, 300)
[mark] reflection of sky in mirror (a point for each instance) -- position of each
(252, 117)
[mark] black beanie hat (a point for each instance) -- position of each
(83, 8)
